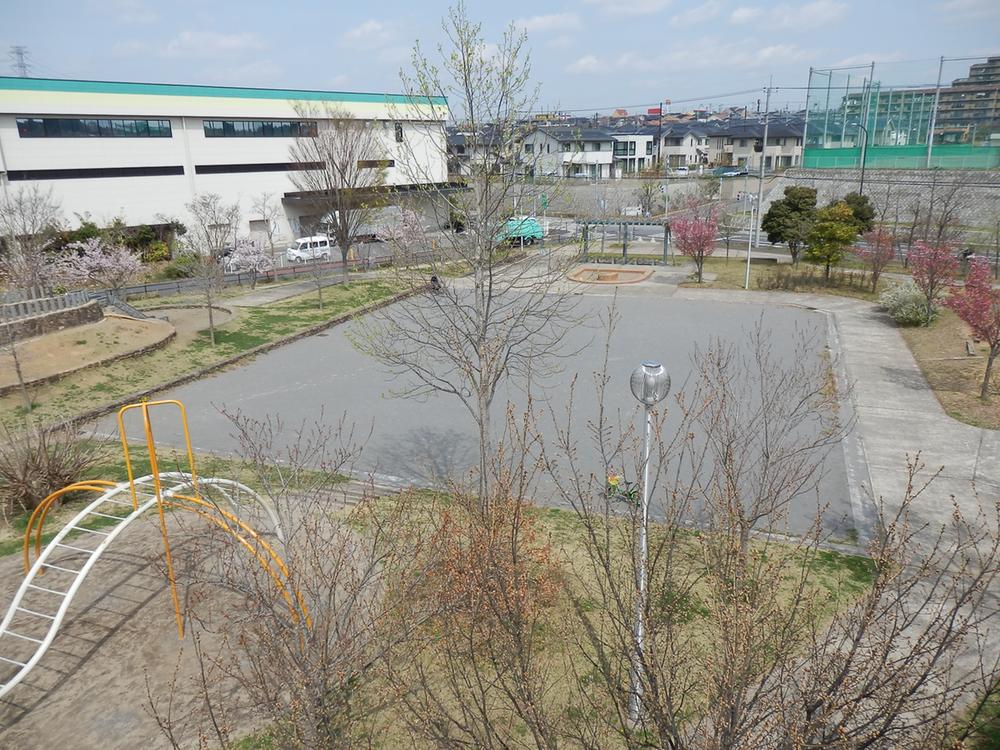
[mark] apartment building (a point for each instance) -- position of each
(633, 151)
(735, 145)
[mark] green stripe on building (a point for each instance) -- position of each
(10, 83)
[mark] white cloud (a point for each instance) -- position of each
(744, 15)
(130, 11)
(631, 7)
(551, 22)
(699, 54)
(560, 42)
(211, 45)
(698, 14)
(371, 32)
(864, 58)
(797, 17)
(587, 64)
(809, 16)
(251, 73)
(969, 9)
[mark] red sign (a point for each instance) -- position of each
(653, 111)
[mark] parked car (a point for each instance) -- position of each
(518, 228)
(681, 171)
(304, 249)
(729, 171)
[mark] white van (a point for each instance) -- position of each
(316, 247)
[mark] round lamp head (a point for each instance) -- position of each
(650, 383)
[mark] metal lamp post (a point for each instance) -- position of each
(864, 154)
(650, 384)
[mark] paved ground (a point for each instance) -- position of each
(897, 413)
(426, 441)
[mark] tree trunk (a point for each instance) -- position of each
(826, 273)
(484, 449)
(211, 319)
(700, 263)
(984, 392)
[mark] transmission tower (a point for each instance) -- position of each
(19, 60)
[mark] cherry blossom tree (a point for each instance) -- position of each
(97, 262)
(934, 268)
(695, 238)
(877, 252)
(250, 256)
(978, 305)
(406, 236)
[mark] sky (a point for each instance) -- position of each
(586, 55)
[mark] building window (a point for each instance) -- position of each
(529, 148)
(399, 132)
(19, 175)
(259, 129)
(264, 167)
(78, 127)
(649, 148)
(631, 148)
(597, 146)
(564, 147)
(375, 163)
(743, 142)
(459, 149)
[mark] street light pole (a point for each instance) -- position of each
(650, 384)
(864, 154)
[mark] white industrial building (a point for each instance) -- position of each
(142, 151)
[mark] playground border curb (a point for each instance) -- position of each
(131, 398)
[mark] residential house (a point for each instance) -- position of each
(684, 146)
(634, 150)
(568, 152)
(735, 145)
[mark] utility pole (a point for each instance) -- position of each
(937, 101)
(659, 139)
(760, 174)
(19, 58)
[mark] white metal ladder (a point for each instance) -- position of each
(67, 578)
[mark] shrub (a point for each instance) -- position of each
(38, 461)
(182, 267)
(906, 304)
(157, 252)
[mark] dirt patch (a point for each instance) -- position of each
(62, 352)
(954, 375)
(609, 275)
(189, 320)
(119, 633)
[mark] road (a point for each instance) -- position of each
(425, 441)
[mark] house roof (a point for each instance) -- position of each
(576, 134)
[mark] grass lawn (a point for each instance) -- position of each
(249, 327)
(835, 578)
(805, 277)
(955, 376)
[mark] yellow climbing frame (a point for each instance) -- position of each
(258, 547)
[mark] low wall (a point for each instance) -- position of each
(38, 325)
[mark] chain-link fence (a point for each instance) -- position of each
(941, 113)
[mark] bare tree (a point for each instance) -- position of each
(303, 658)
(211, 230)
(730, 223)
(342, 168)
(507, 316)
(742, 648)
(648, 195)
(268, 210)
(28, 218)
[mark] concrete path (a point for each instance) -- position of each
(896, 410)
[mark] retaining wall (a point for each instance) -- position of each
(37, 325)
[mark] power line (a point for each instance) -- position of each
(18, 56)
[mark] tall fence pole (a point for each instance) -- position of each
(937, 101)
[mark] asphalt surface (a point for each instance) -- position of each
(425, 441)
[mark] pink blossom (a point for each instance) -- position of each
(695, 238)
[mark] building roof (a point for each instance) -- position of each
(64, 85)
(576, 134)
